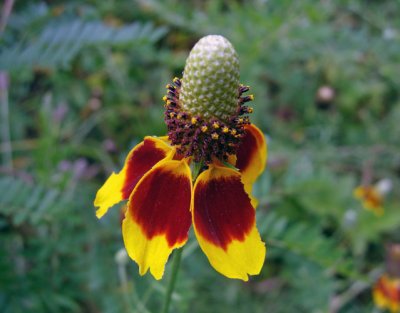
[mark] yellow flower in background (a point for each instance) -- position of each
(372, 197)
(386, 293)
(201, 173)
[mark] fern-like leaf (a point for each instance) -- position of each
(28, 203)
(305, 240)
(60, 42)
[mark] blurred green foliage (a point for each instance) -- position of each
(81, 83)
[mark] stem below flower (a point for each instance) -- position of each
(171, 284)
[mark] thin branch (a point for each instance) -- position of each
(338, 301)
(5, 121)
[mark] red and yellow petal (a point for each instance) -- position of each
(140, 160)
(386, 293)
(158, 216)
(224, 223)
(252, 154)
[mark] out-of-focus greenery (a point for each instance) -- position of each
(83, 82)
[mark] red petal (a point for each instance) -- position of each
(161, 202)
(223, 210)
(386, 293)
(224, 222)
(158, 217)
(252, 154)
(140, 160)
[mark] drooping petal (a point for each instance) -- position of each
(252, 154)
(158, 216)
(224, 223)
(386, 293)
(140, 160)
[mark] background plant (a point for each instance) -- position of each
(81, 83)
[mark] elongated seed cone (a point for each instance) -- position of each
(211, 79)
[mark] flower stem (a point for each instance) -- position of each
(5, 122)
(171, 284)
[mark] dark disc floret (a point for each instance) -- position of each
(205, 138)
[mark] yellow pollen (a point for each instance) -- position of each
(175, 79)
(215, 125)
(194, 120)
(204, 128)
(250, 110)
(233, 131)
(171, 115)
(251, 97)
(165, 98)
(225, 129)
(167, 86)
(214, 136)
(240, 120)
(179, 116)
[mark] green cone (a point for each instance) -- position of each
(211, 79)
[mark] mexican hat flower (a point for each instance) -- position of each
(372, 196)
(201, 174)
(386, 293)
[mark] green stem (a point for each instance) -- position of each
(171, 284)
(5, 122)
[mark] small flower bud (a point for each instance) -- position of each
(324, 97)
(384, 186)
(121, 257)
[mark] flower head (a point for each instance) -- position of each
(201, 173)
(372, 197)
(386, 293)
(205, 112)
